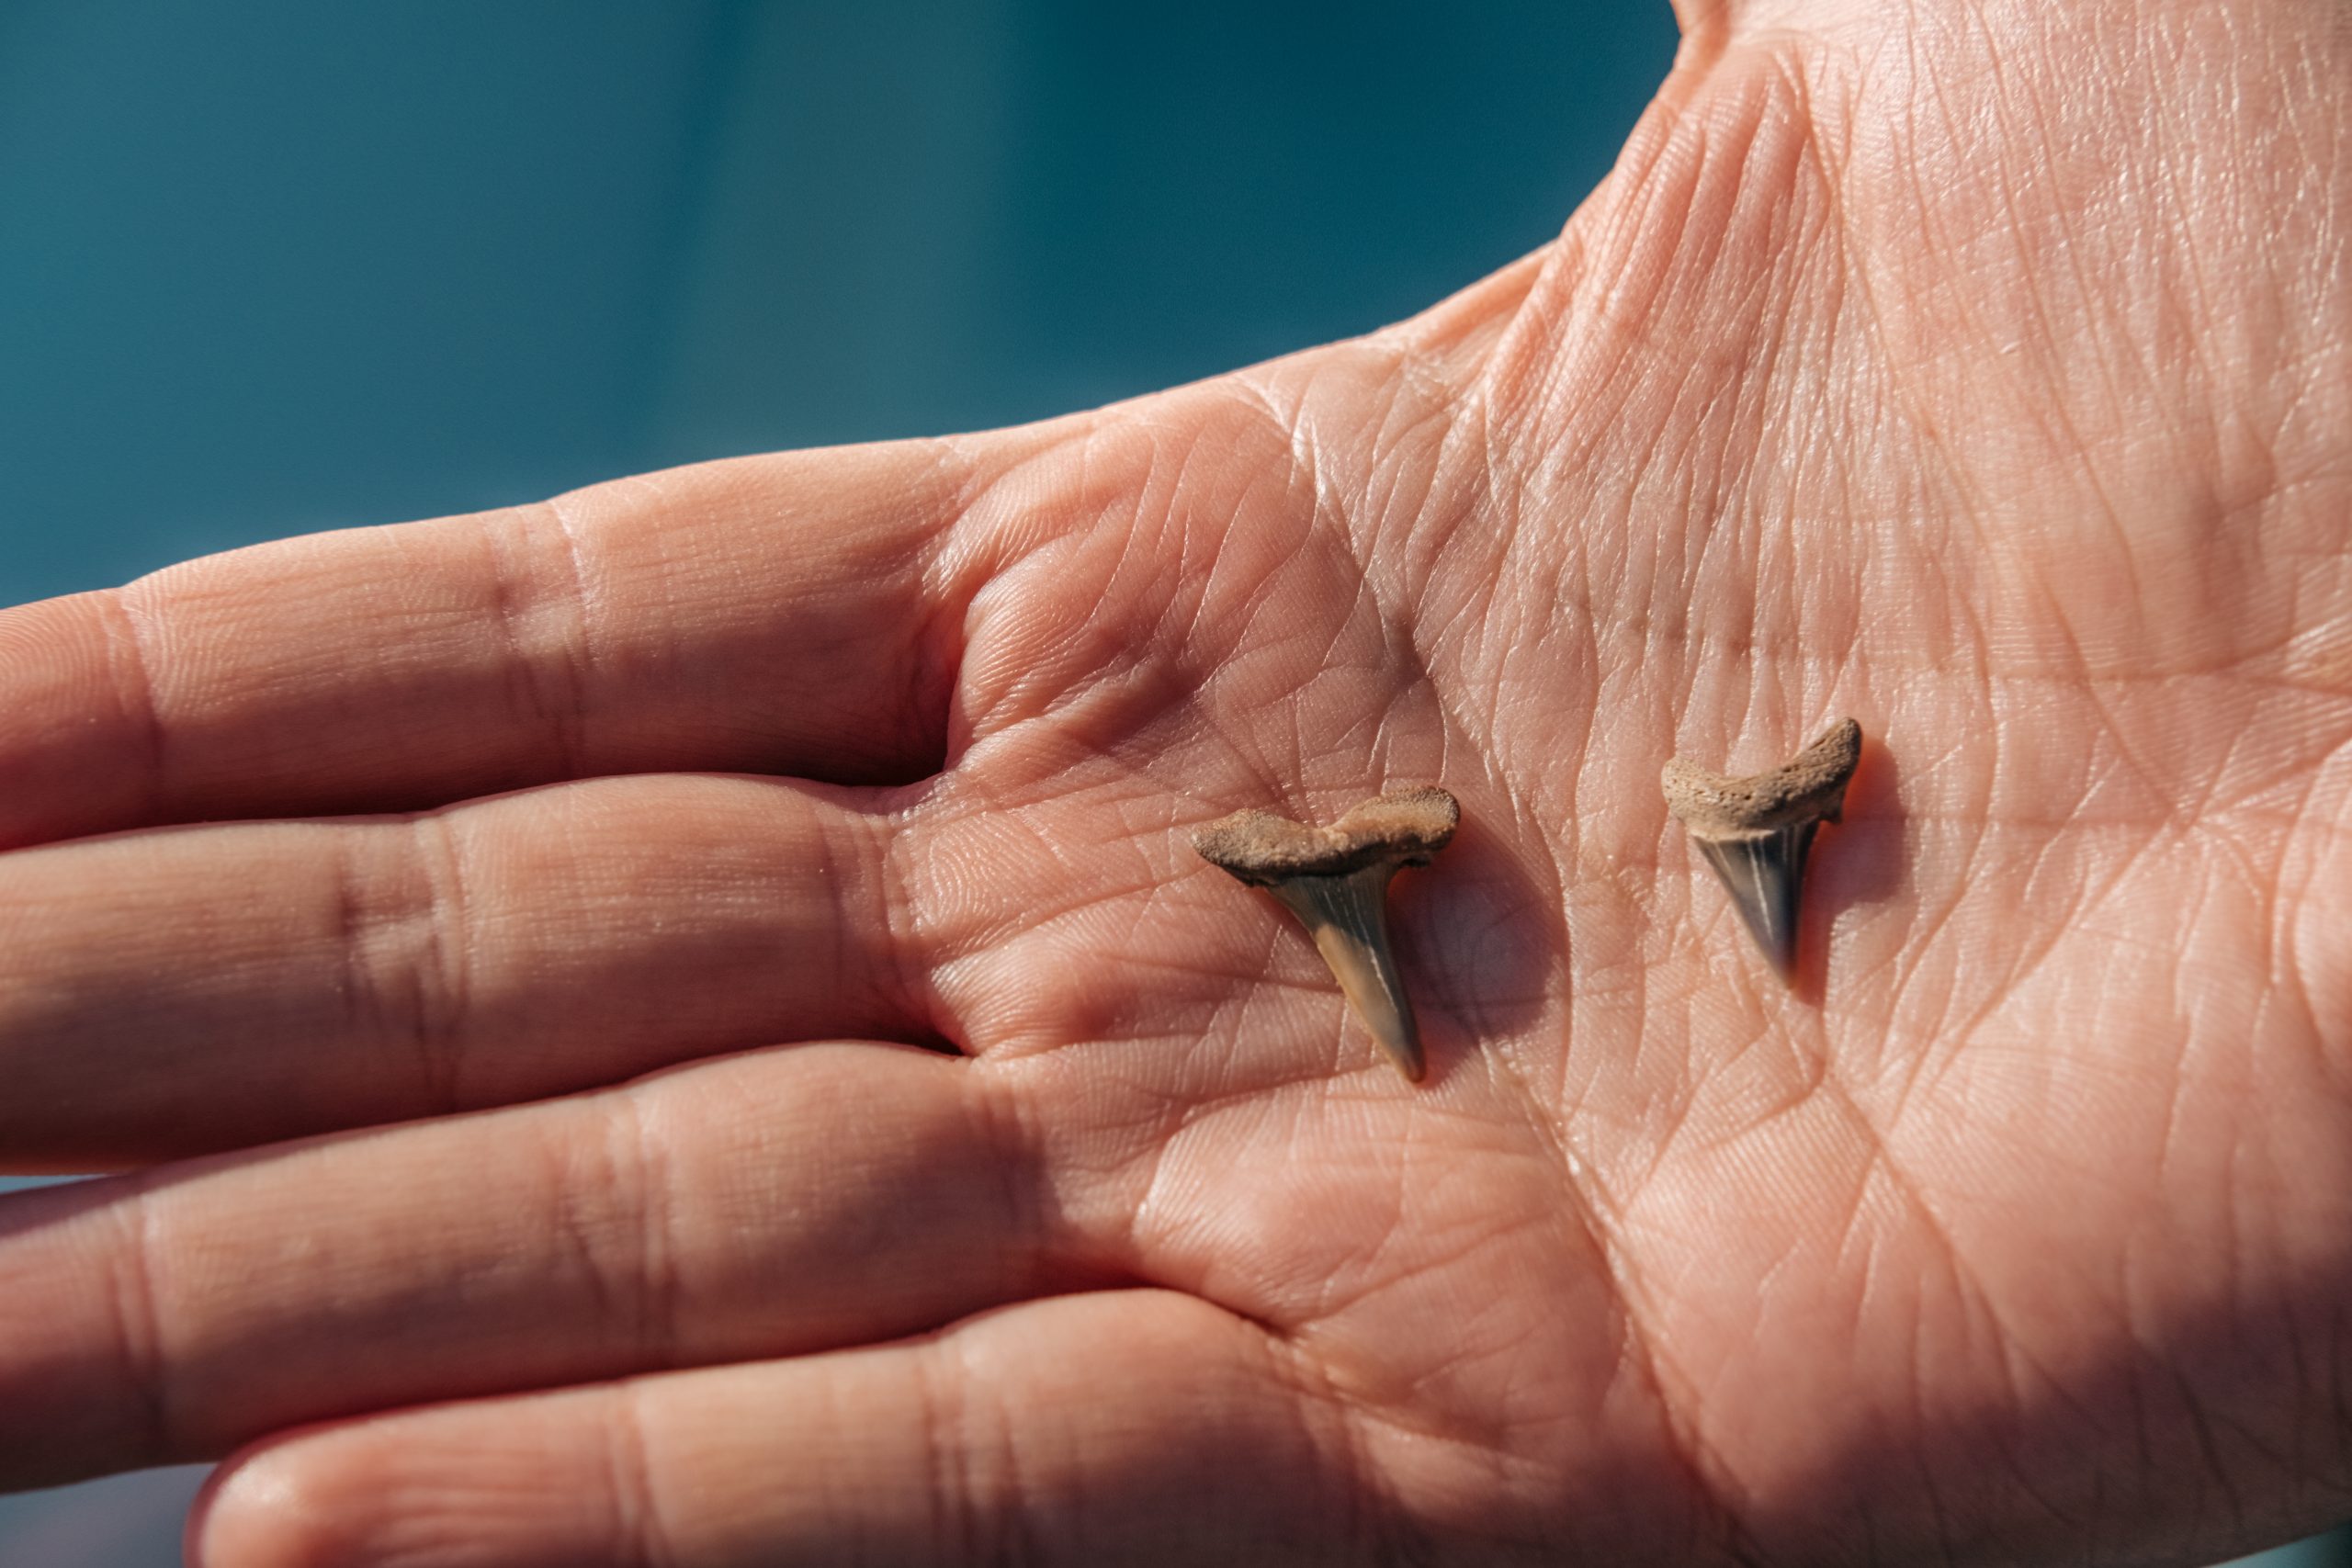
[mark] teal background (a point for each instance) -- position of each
(274, 266)
(270, 267)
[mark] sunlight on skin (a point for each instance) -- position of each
(1983, 373)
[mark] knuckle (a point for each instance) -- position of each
(404, 942)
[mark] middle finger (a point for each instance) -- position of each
(189, 989)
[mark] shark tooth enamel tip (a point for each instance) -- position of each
(1757, 832)
(1335, 880)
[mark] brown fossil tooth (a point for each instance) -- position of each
(1335, 880)
(1757, 832)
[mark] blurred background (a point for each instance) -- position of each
(269, 267)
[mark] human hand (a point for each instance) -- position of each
(1978, 373)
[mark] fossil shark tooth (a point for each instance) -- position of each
(1335, 880)
(1757, 832)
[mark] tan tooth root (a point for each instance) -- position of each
(1758, 831)
(1335, 880)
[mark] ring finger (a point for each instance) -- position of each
(765, 1204)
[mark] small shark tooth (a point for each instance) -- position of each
(1757, 832)
(1335, 880)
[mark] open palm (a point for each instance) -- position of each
(1985, 373)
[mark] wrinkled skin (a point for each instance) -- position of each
(1984, 372)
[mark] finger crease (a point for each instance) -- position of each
(579, 646)
(948, 1470)
(642, 1177)
(900, 920)
(439, 969)
(1015, 1521)
(1022, 1199)
(640, 1526)
(137, 694)
(549, 690)
(1304, 1389)
(138, 1331)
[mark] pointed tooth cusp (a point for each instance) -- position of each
(1348, 918)
(1764, 874)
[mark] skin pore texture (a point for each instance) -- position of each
(509, 958)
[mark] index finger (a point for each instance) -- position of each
(796, 614)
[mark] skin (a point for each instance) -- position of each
(1982, 371)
